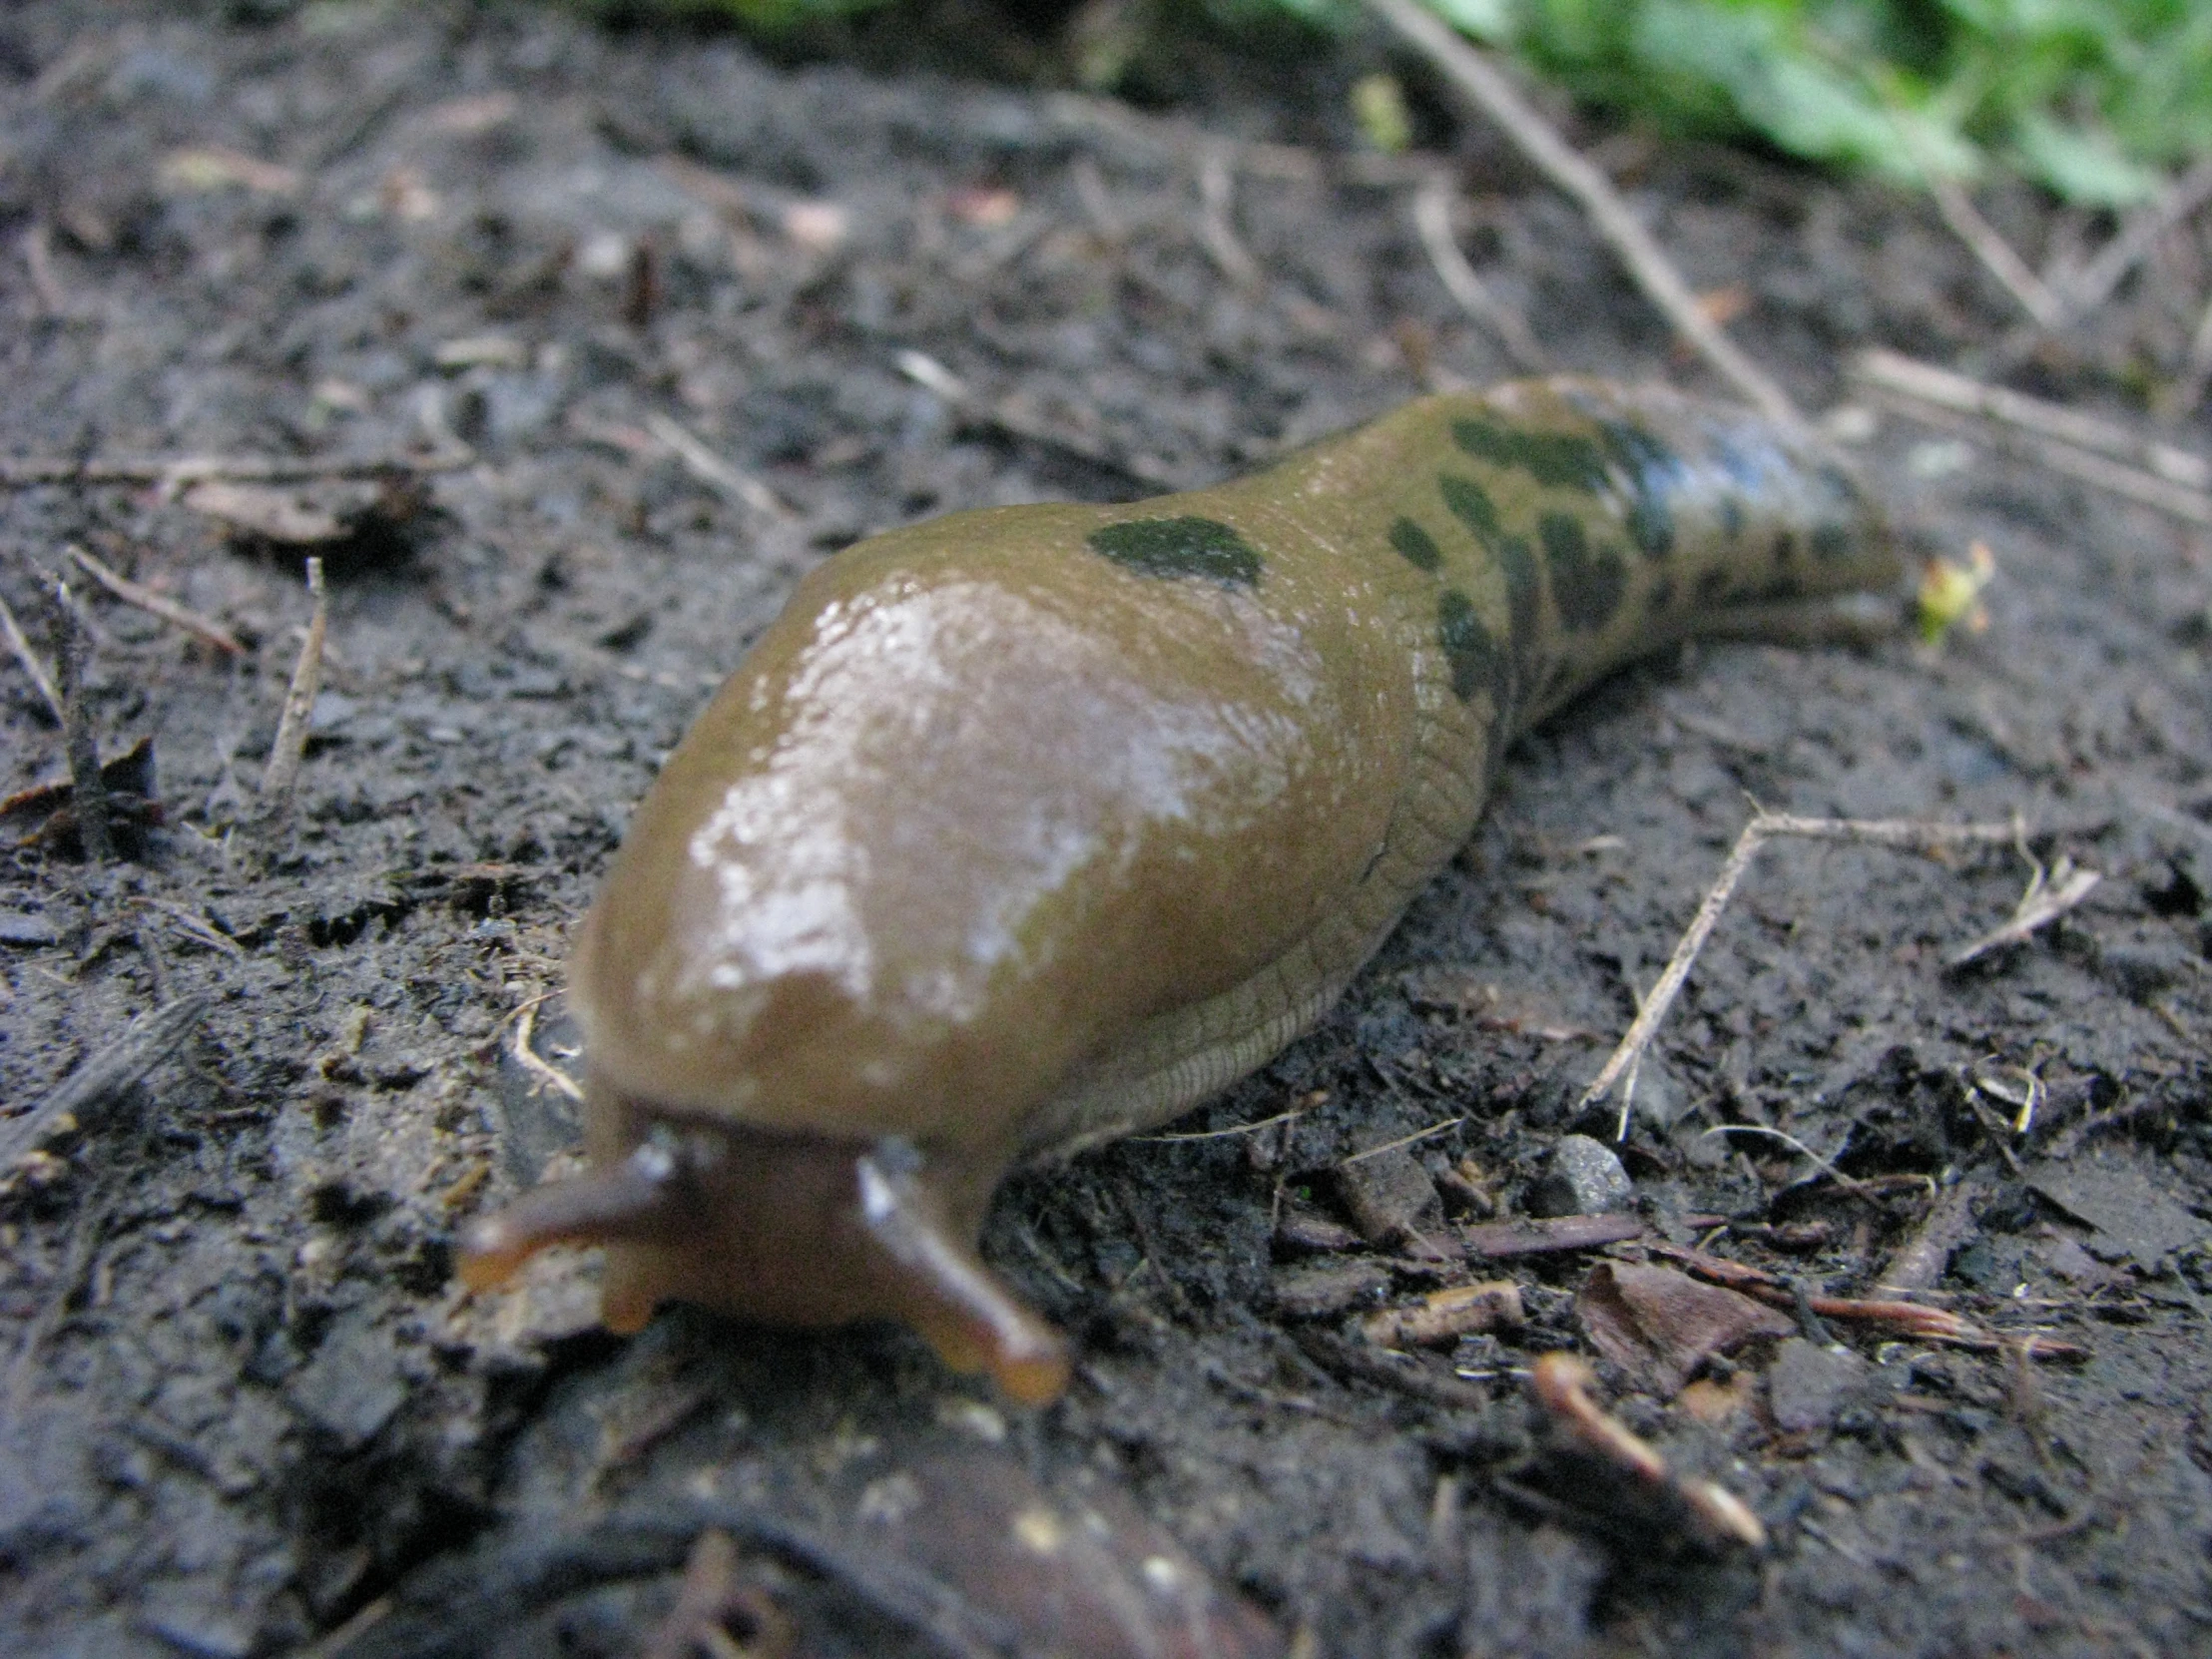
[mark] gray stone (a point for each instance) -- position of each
(1582, 1177)
(1808, 1385)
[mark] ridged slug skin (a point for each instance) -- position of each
(1025, 829)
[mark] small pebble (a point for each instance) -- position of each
(1582, 1177)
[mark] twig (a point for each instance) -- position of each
(38, 256)
(1827, 1166)
(701, 461)
(1432, 222)
(173, 472)
(2049, 895)
(1561, 1384)
(1994, 253)
(925, 372)
(1929, 1324)
(282, 769)
(530, 1060)
(151, 1038)
(2115, 477)
(146, 599)
(2093, 284)
(1902, 832)
(1892, 371)
(1496, 97)
(21, 648)
(2188, 391)
(1215, 187)
(1291, 1116)
(1403, 1140)
(88, 789)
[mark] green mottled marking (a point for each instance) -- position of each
(1841, 487)
(1586, 582)
(1731, 517)
(1418, 546)
(1476, 662)
(1712, 586)
(1561, 460)
(1201, 547)
(1523, 594)
(1661, 595)
(1652, 469)
(1831, 541)
(1784, 547)
(1470, 504)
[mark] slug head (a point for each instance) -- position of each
(785, 1228)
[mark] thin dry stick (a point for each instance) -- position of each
(284, 754)
(146, 599)
(1894, 371)
(2049, 895)
(88, 789)
(24, 655)
(1215, 186)
(2114, 477)
(2094, 283)
(151, 1038)
(530, 1060)
(176, 472)
(1404, 1140)
(1905, 832)
(1253, 1128)
(1432, 222)
(1996, 254)
(702, 463)
(2188, 391)
(1826, 1166)
(1496, 97)
(1008, 417)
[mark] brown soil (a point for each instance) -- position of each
(241, 1403)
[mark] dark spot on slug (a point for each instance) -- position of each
(1784, 547)
(1731, 517)
(1470, 504)
(1418, 546)
(1561, 460)
(1841, 487)
(1711, 586)
(1780, 588)
(1653, 472)
(1201, 547)
(1831, 541)
(1586, 582)
(1476, 662)
(1523, 595)
(1651, 526)
(1661, 595)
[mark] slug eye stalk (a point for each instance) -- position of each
(789, 1228)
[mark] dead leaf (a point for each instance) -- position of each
(1662, 1324)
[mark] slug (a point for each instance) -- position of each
(1024, 829)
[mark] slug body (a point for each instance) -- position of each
(1025, 829)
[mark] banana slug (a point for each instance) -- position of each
(1024, 829)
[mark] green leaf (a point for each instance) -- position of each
(2082, 165)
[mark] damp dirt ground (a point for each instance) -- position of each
(244, 1411)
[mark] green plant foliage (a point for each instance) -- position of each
(2092, 98)
(2095, 99)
